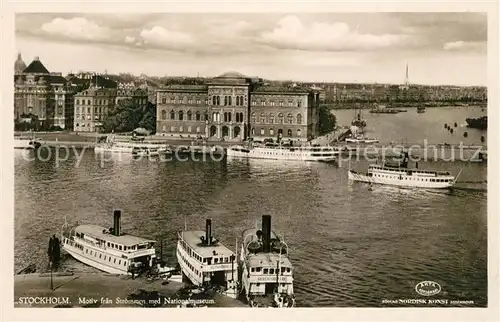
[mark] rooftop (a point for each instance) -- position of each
(36, 67)
(281, 89)
(232, 74)
(268, 259)
(187, 88)
(102, 233)
(193, 239)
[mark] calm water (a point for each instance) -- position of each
(351, 246)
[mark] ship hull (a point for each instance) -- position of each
(81, 257)
(284, 155)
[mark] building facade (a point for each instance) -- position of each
(130, 91)
(91, 107)
(43, 94)
(236, 107)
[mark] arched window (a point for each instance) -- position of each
(163, 115)
(198, 116)
(254, 118)
(181, 115)
(77, 102)
(189, 115)
(262, 118)
(214, 100)
(230, 101)
(237, 101)
(218, 100)
(299, 118)
(280, 118)
(290, 118)
(289, 132)
(271, 118)
(172, 115)
(225, 100)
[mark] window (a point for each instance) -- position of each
(290, 118)
(299, 132)
(230, 101)
(198, 116)
(189, 115)
(172, 129)
(218, 100)
(280, 118)
(225, 100)
(181, 115)
(271, 131)
(189, 129)
(190, 101)
(290, 103)
(172, 115)
(281, 103)
(289, 132)
(299, 118)
(271, 118)
(181, 129)
(262, 132)
(214, 100)
(163, 115)
(266, 270)
(299, 103)
(254, 117)
(198, 101)
(262, 118)
(77, 102)
(206, 116)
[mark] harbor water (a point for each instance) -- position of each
(351, 245)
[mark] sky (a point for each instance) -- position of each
(440, 48)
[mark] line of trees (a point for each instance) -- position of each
(327, 121)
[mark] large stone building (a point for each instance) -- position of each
(43, 94)
(236, 107)
(92, 106)
(130, 91)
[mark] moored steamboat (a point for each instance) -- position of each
(109, 250)
(398, 174)
(285, 153)
(205, 261)
(266, 270)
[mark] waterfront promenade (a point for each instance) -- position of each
(98, 290)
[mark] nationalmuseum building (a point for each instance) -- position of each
(236, 107)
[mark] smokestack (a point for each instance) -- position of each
(117, 227)
(208, 232)
(266, 233)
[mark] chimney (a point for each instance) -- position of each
(117, 227)
(266, 233)
(208, 232)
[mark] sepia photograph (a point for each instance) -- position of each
(251, 159)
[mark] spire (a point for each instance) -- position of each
(407, 80)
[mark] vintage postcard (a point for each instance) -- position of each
(244, 156)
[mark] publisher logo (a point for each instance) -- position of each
(428, 288)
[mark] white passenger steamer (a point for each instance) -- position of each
(204, 261)
(132, 147)
(108, 250)
(266, 270)
(286, 153)
(398, 174)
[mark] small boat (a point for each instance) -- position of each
(478, 123)
(421, 109)
(109, 250)
(26, 143)
(266, 270)
(276, 151)
(206, 262)
(398, 174)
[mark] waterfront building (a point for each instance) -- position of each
(40, 93)
(130, 91)
(236, 107)
(91, 106)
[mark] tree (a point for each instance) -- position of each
(129, 115)
(327, 121)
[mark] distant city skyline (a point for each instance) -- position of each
(440, 48)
